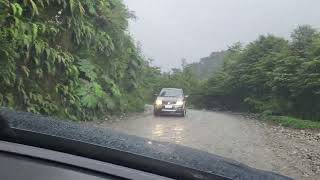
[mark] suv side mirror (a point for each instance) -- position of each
(186, 96)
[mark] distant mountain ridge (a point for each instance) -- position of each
(207, 66)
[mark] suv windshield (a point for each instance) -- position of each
(171, 93)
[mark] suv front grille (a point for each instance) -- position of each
(168, 102)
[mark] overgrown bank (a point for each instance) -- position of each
(69, 58)
(75, 59)
(293, 122)
(270, 75)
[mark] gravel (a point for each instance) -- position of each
(300, 149)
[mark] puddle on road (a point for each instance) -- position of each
(171, 133)
(158, 130)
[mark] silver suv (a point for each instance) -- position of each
(170, 101)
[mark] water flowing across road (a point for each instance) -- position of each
(233, 136)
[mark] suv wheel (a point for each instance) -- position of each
(184, 113)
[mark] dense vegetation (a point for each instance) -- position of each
(270, 75)
(75, 59)
(69, 58)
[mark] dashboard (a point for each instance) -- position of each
(20, 162)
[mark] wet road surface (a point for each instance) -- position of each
(228, 135)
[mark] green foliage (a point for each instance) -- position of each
(293, 122)
(270, 74)
(91, 95)
(75, 59)
(70, 58)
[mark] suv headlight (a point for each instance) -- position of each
(158, 102)
(179, 103)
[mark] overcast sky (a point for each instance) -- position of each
(170, 30)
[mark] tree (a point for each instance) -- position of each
(270, 74)
(68, 58)
(302, 38)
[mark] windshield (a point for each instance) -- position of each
(171, 93)
(250, 70)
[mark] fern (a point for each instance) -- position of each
(34, 8)
(88, 69)
(55, 53)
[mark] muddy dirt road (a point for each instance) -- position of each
(233, 136)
